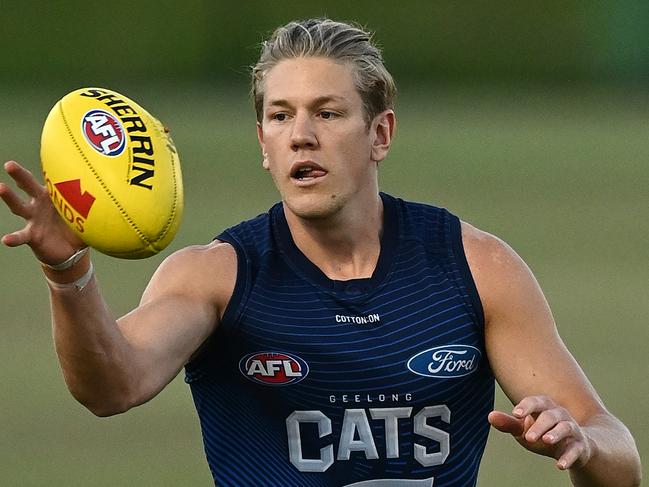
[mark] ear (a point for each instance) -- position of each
(260, 138)
(383, 127)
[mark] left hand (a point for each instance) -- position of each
(544, 427)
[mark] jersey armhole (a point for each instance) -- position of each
(199, 365)
(233, 308)
(457, 248)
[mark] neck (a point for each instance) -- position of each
(344, 246)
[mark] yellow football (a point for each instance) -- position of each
(112, 172)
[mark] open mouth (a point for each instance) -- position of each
(307, 171)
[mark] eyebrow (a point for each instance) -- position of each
(281, 102)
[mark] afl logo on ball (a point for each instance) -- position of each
(103, 132)
(273, 368)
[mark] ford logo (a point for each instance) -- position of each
(446, 361)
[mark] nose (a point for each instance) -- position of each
(303, 134)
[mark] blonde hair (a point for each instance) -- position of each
(338, 41)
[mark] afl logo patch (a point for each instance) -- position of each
(273, 368)
(103, 132)
(446, 362)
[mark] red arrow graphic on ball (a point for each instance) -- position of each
(71, 191)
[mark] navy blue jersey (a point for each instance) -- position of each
(371, 382)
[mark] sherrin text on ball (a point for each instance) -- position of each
(113, 173)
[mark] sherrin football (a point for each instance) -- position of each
(112, 172)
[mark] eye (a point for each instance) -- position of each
(327, 115)
(280, 117)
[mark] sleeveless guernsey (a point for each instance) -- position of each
(378, 382)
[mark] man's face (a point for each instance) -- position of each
(315, 139)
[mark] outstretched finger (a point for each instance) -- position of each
(15, 239)
(24, 179)
(13, 201)
(545, 422)
(531, 405)
(506, 423)
(571, 455)
(562, 430)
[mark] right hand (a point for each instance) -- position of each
(49, 237)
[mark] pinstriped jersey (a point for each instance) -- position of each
(377, 382)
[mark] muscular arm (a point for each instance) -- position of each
(112, 365)
(557, 411)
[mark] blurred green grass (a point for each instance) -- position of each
(561, 175)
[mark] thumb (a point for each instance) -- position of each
(506, 423)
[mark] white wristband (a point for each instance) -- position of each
(69, 262)
(79, 284)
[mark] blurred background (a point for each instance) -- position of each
(528, 119)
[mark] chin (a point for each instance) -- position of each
(314, 207)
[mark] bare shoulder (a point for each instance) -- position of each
(202, 258)
(202, 271)
(484, 250)
(499, 272)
